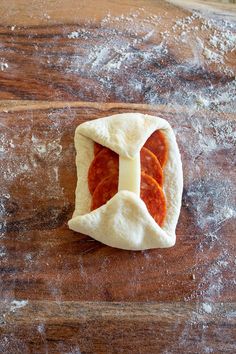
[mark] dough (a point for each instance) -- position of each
(124, 221)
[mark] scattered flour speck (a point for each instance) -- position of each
(207, 307)
(3, 65)
(3, 252)
(73, 35)
(17, 304)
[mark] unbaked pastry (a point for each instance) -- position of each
(124, 221)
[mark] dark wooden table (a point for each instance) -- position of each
(65, 62)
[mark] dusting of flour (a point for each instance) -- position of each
(207, 139)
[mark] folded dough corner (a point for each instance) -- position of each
(124, 221)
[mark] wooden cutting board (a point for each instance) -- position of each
(59, 286)
(61, 292)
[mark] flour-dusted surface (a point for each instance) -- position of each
(140, 48)
(43, 259)
(157, 55)
(182, 62)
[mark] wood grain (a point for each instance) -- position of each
(62, 292)
(21, 13)
(223, 9)
(71, 327)
(44, 63)
(48, 261)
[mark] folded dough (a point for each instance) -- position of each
(124, 221)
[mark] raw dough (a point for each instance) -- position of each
(124, 222)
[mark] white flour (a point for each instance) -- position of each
(109, 60)
(17, 304)
(208, 140)
(3, 64)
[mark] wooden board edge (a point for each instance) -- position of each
(9, 106)
(207, 7)
(25, 311)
